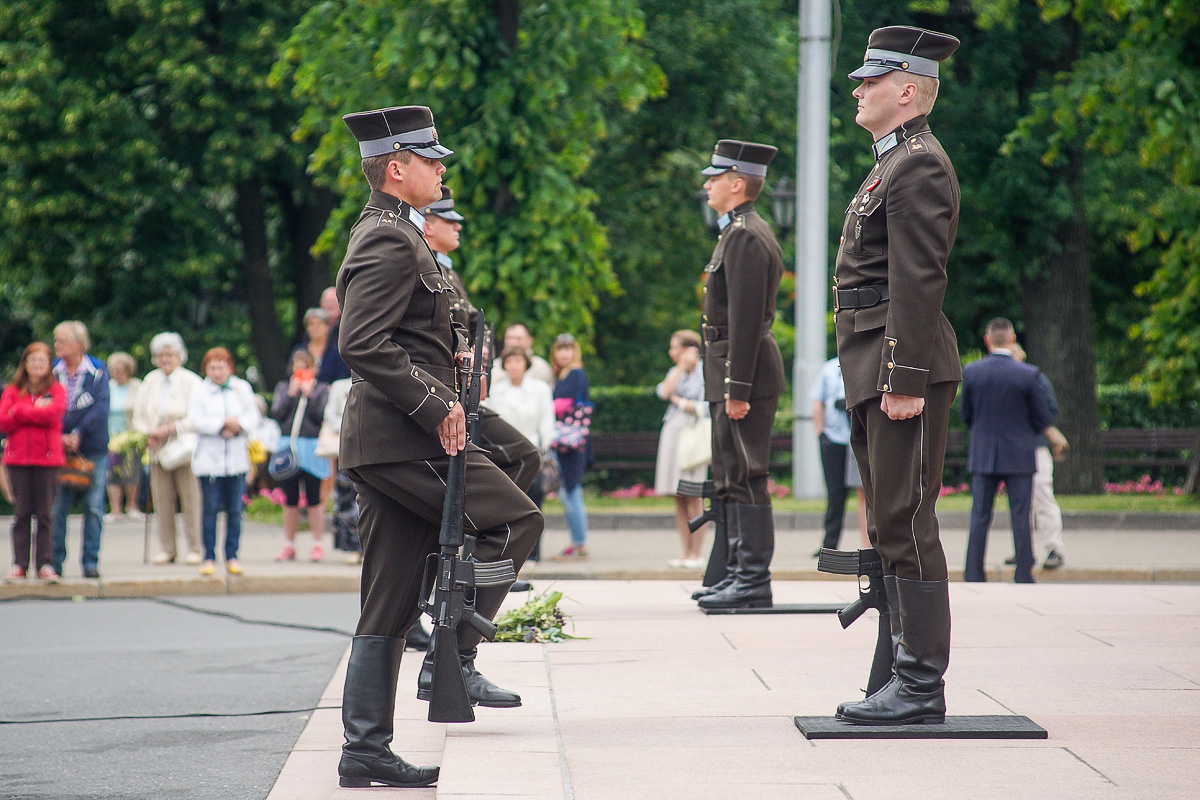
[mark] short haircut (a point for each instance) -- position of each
(217, 354)
(168, 340)
(22, 380)
(319, 313)
(76, 331)
(687, 337)
(1000, 332)
(122, 359)
(753, 183)
(515, 352)
(927, 89)
(375, 167)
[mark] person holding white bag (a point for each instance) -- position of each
(685, 444)
(161, 412)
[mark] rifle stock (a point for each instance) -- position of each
(718, 559)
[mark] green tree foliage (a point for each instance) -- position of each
(524, 94)
(149, 175)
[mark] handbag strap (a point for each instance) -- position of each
(297, 420)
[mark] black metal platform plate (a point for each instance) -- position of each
(782, 608)
(982, 727)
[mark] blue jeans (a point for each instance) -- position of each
(221, 492)
(93, 518)
(577, 521)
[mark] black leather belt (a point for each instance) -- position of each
(718, 333)
(860, 297)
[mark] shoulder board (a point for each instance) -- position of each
(739, 222)
(388, 218)
(916, 145)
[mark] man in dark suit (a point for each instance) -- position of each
(1006, 407)
(743, 371)
(402, 423)
(899, 358)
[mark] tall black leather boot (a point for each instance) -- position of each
(917, 693)
(883, 663)
(730, 533)
(751, 587)
(481, 690)
(368, 706)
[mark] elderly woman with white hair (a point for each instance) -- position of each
(161, 412)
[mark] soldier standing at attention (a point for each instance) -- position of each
(743, 371)
(402, 423)
(900, 358)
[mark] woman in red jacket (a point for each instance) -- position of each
(31, 414)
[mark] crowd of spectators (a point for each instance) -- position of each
(187, 447)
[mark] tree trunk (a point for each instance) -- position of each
(266, 338)
(1057, 308)
(304, 223)
(1192, 484)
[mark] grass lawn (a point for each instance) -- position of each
(263, 510)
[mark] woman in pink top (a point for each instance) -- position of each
(31, 414)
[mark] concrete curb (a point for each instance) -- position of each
(812, 520)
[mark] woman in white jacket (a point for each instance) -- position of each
(222, 410)
(160, 412)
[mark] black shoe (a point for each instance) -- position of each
(1011, 561)
(417, 637)
(751, 531)
(481, 691)
(368, 707)
(1053, 561)
(916, 694)
(705, 591)
(91, 572)
(520, 586)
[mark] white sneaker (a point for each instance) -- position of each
(675, 563)
(135, 515)
(693, 563)
(163, 558)
(193, 558)
(111, 518)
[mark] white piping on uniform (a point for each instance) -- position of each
(736, 429)
(466, 516)
(920, 499)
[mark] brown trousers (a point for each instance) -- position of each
(167, 486)
(509, 450)
(33, 490)
(400, 514)
(901, 466)
(742, 451)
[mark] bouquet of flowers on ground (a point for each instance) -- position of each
(539, 620)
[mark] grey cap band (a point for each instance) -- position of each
(424, 142)
(722, 164)
(881, 62)
(445, 210)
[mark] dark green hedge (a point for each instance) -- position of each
(636, 408)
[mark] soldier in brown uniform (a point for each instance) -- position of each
(401, 424)
(743, 371)
(504, 444)
(900, 358)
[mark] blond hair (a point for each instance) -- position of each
(576, 361)
(375, 167)
(927, 89)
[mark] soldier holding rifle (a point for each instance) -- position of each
(403, 422)
(900, 358)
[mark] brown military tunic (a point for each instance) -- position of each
(742, 360)
(889, 282)
(399, 340)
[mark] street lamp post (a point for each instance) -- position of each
(812, 233)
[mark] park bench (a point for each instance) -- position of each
(1148, 448)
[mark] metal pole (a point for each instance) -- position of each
(812, 235)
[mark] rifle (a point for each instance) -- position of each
(455, 573)
(865, 564)
(718, 559)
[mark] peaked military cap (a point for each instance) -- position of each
(730, 155)
(900, 47)
(389, 130)
(443, 208)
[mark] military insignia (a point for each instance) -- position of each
(917, 145)
(434, 132)
(739, 222)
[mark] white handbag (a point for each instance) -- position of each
(177, 451)
(695, 443)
